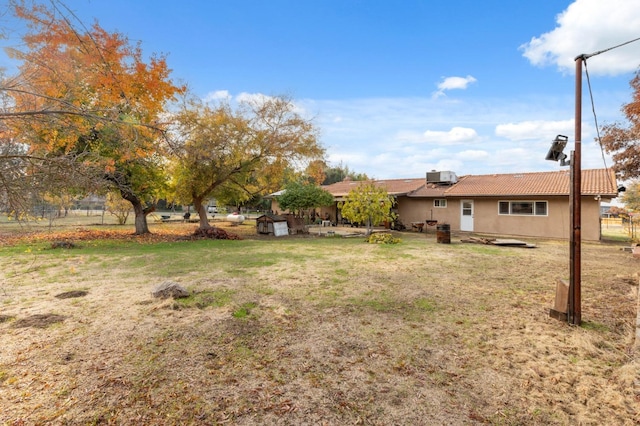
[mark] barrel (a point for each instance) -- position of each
(443, 234)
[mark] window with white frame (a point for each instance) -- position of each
(440, 202)
(523, 208)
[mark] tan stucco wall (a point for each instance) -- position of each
(557, 224)
(275, 207)
(486, 219)
(421, 209)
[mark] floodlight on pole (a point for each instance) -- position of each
(556, 151)
(564, 307)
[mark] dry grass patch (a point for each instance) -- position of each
(313, 330)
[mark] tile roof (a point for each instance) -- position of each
(430, 190)
(594, 182)
(393, 186)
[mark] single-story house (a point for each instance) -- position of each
(339, 190)
(524, 204)
(398, 188)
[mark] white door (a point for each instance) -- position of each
(466, 215)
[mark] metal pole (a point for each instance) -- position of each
(574, 314)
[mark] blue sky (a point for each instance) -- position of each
(400, 88)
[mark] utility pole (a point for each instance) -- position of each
(573, 302)
(574, 312)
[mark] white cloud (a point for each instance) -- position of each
(453, 83)
(447, 164)
(217, 96)
(255, 99)
(519, 159)
(252, 98)
(347, 158)
(534, 130)
(472, 154)
(588, 26)
(407, 136)
(456, 135)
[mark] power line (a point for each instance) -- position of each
(584, 56)
(595, 119)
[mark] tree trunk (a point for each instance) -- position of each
(141, 221)
(202, 212)
(140, 213)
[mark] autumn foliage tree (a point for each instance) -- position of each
(316, 171)
(118, 207)
(631, 197)
(368, 203)
(622, 140)
(88, 95)
(237, 153)
(616, 211)
(27, 179)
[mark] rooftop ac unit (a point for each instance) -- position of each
(441, 177)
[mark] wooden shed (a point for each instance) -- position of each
(272, 224)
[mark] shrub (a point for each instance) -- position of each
(382, 238)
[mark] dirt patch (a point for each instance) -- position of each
(38, 321)
(72, 294)
(5, 318)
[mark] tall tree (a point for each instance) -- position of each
(341, 172)
(316, 171)
(368, 203)
(631, 197)
(236, 154)
(622, 140)
(26, 177)
(87, 93)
